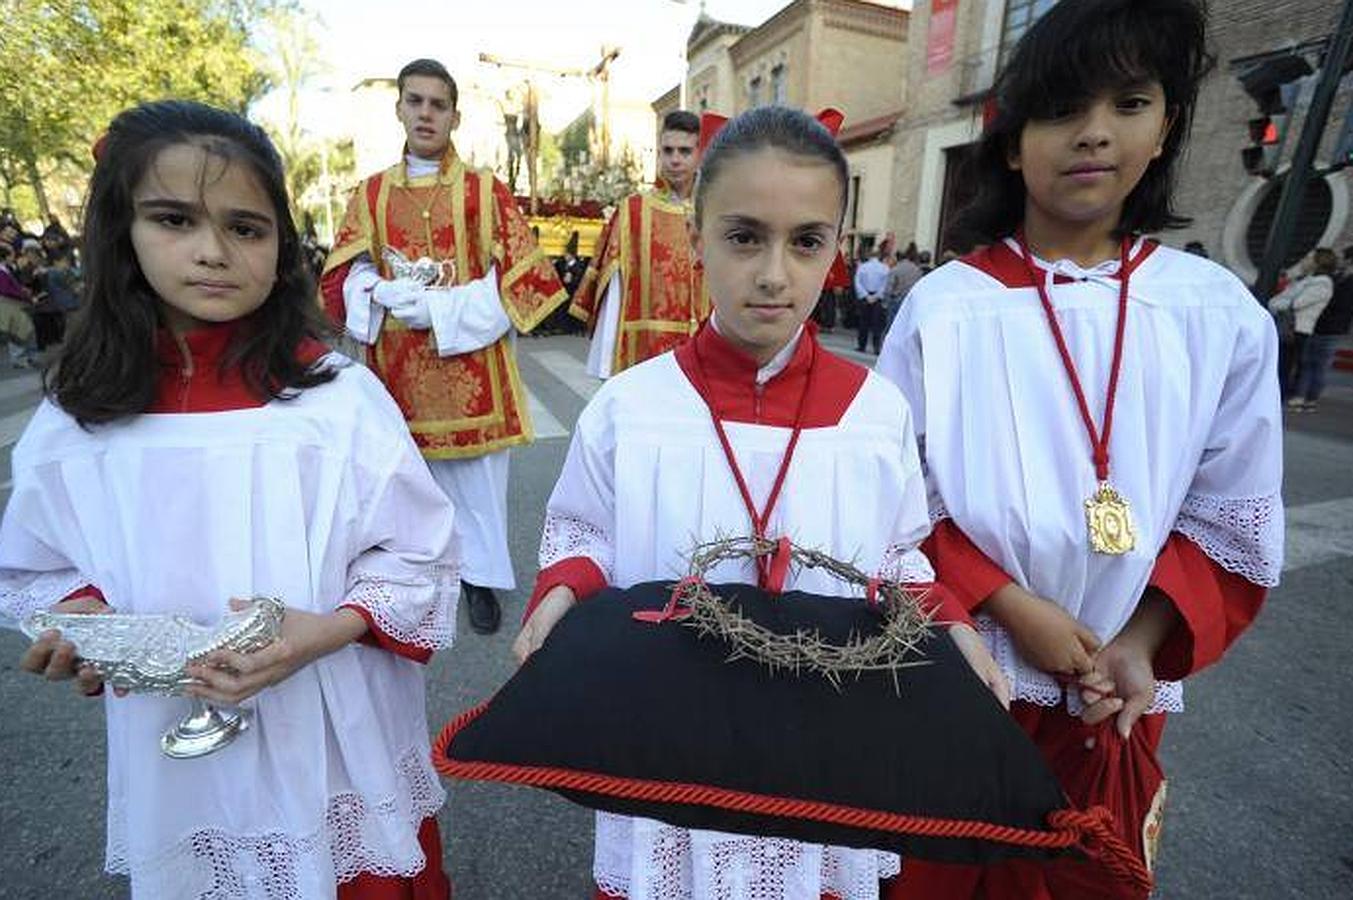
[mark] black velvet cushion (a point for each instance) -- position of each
(612, 696)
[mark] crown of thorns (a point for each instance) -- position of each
(895, 646)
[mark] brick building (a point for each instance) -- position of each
(957, 45)
(1228, 206)
(848, 54)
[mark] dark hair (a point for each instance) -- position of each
(681, 120)
(108, 367)
(780, 127)
(1326, 263)
(1079, 49)
(429, 68)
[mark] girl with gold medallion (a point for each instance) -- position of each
(1098, 416)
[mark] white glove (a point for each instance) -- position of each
(469, 316)
(395, 292)
(411, 308)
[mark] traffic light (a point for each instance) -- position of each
(1264, 81)
(1273, 85)
(1266, 134)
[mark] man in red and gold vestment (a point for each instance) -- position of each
(433, 269)
(644, 294)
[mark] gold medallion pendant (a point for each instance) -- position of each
(1110, 521)
(1151, 828)
(1107, 516)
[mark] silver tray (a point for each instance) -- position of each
(150, 654)
(424, 270)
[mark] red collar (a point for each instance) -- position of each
(191, 378)
(1006, 266)
(730, 378)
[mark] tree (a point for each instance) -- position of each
(315, 164)
(551, 160)
(68, 66)
(321, 181)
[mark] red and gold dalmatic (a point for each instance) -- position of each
(473, 403)
(663, 297)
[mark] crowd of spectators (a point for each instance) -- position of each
(869, 306)
(39, 287)
(1314, 313)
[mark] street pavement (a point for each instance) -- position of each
(1261, 790)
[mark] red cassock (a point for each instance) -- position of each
(1094, 765)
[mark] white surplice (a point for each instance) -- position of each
(601, 350)
(644, 481)
(1196, 444)
(320, 500)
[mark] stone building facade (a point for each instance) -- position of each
(957, 45)
(812, 54)
(1214, 187)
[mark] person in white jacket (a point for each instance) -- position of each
(1306, 298)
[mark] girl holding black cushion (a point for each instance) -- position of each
(750, 427)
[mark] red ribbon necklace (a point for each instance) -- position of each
(1108, 517)
(771, 571)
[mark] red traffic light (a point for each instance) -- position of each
(1264, 130)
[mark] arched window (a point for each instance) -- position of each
(1312, 220)
(777, 85)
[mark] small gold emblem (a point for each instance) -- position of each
(1110, 521)
(1151, 828)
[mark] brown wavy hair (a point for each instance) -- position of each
(108, 369)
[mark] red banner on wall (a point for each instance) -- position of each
(939, 48)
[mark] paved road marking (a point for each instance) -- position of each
(842, 343)
(546, 425)
(12, 425)
(570, 370)
(20, 385)
(1318, 533)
